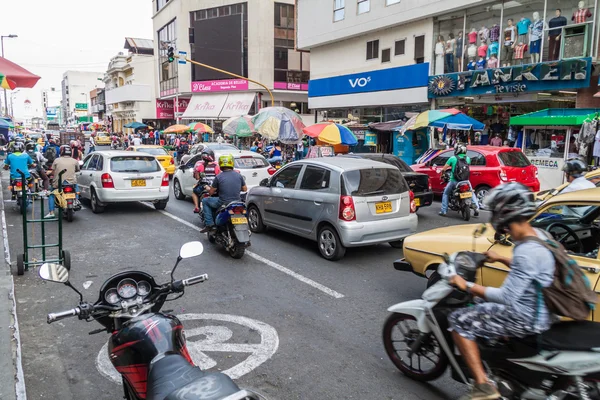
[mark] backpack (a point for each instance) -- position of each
(50, 154)
(462, 170)
(570, 294)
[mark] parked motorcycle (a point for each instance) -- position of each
(147, 347)
(461, 198)
(558, 364)
(232, 231)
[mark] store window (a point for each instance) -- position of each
(363, 6)
(390, 2)
(168, 71)
(338, 10)
(160, 4)
(386, 55)
(400, 47)
(372, 49)
(291, 67)
(420, 49)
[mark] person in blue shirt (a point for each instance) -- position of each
(275, 154)
(18, 161)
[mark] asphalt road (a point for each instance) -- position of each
(288, 323)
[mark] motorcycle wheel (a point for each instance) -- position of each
(212, 238)
(430, 352)
(22, 203)
(69, 214)
(466, 212)
(237, 251)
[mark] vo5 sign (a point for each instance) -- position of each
(359, 82)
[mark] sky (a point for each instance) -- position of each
(60, 35)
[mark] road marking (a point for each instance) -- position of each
(215, 339)
(266, 261)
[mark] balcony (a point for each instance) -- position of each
(129, 93)
(96, 108)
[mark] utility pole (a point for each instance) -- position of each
(11, 36)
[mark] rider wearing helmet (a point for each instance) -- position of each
(64, 162)
(460, 151)
(18, 160)
(204, 170)
(40, 161)
(229, 184)
(574, 171)
(514, 309)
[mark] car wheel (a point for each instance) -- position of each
(397, 244)
(161, 205)
(481, 193)
(330, 245)
(96, 208)
(177, 190)
(255, 220)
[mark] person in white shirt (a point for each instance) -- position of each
(137, 141)
(575, 170)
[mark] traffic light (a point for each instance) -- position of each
(171, 54)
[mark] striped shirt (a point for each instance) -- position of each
(520, 50)
(580, 16)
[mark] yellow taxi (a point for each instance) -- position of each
(102, 139)
(165, 159)
(572, 218)
(592, 176)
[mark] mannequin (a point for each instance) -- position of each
(582, 14)
(510, 36)
(554, 35)
(523, 28)
(440, 50)
(484, 34)
(536, 29)
(459, 51)
(493, 61)
(480, 64)
(494, 33)
(450, 49)
(520, 50)
(492, 49)
(471, 65)
(473, 36)
(472, 52)
(482, 49)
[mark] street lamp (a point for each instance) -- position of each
(11, 36)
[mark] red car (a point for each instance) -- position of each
(490, 166)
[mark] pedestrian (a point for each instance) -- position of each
(496, 140)
(299, 151)
(92, 143)
(137, 141)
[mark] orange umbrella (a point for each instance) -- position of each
(177, 129)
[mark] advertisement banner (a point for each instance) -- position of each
(164, 109)
(182, 105)
(370, 139)
(290, 86)
(223, 85)
(51, 111)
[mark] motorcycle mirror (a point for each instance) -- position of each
(481, 229)
(191, 249)
(54, 273)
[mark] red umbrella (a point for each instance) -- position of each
(16, 75)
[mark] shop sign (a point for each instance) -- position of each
(224, 85)
(164, 109)
(360, 134)
(554, 75)
(545, 163)
(370, 139)
(290, 86)
(51, 112)
(182, 105)
(81, 106)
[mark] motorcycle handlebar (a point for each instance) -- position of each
(53, 317)
(195, 279)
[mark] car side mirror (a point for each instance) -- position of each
(264, 182)
(182, 168)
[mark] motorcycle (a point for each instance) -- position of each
(461, 198)
(116, 145)
(232, 231)
(560, 363)
(147, 347)
(72, 203)
(17, 193)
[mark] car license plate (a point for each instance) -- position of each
(382, 208)
(69, 195)
(138, 183)
(466, 195)
(239, 220)
(417, 202)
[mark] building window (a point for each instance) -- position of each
(363, 6)
(399, 47)
(372, 49)
(160, 4)
(168, 78)
(420, 49)
(390, 2)
(386, 55)
(338, 10)
(291, 67)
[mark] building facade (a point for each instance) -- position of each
(98, 105)
(76, 86)
(254, 39)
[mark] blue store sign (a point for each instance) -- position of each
(554, 75)
(373, 81)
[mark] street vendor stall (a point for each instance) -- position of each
(548, 139)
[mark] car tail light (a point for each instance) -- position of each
(165, 180)
(537, 173)
(271, 170)
(347, 212)
(107, 181)
(172, 161)
(429, 186)
(238, 210)
(464, 188)
(413, 206)
(68, 189)
(503, 175)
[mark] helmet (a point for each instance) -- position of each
(65, 150)
(93, 134)
(19, 147)
(508, 203)
(575, 168)
(208, 155)
(460, 149)
(30, 146)
(226, 161)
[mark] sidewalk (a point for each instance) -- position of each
(11, 376)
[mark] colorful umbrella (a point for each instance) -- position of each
(199, 127)
(6, 83)
(135, 125)
(241, 126)
(424, 119)
(14, 76)
(177, 129)
(331, 133)
(279, 123)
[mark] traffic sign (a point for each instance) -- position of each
(182, 57)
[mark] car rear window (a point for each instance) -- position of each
(155, 151)
(250, 162)
(134, 164)
(374, 181)
(396, 162)
(513, 159)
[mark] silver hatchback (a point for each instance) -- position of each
(339, 202)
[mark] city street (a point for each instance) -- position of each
(281, 321)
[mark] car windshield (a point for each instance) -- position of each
(374, 181)
(134, 164)
(155, 151)
(513, 159)
(221, 146)
(563, 214)
(250, 162)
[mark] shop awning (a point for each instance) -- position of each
(555, 117)
(218, 105)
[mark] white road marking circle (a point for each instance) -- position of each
(215, 340)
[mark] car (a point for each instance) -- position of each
(592, 176)
(253, 167)
(165, 159)
(102, 139)
(418, 182)
(214, 146)
(122, 176)
(338, 202)
(490, 166)
(572, 218)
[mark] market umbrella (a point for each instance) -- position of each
(199, 127)
(177, 129)
(135, 125)
(241, 126)
(14, 76)
(425, 119)
(331, 133)
(279, 123)
(6, 123)
(458, 121)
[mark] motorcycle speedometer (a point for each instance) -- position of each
(144, 288)
(111, 296)
(127, 288)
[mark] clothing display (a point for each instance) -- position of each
(471, 65)
(581, 15)
(596, 151)
(492, 49)
(473, 37)
(449, 63)
(459, 46)
(554, 48)
(534, 47)
(536, 30)
(482, 50)
(494, 33)
(508, 54)
(509, 35)
(492, 63)
(472, 51)
(523, 26)
(439, 58)
(556, 23)
(484, 34)
(480, 64)
(520, 50)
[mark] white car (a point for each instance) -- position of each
(253, 167)
(122, 176)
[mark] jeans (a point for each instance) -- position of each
(449, 62)
(51, 202)
(448, 192)
(209, 206)
(299, 155)
(275, 159)
(92, 149)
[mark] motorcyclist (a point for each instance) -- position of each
(40, 161)
(182, 149)
(51, 150)
(460, 151)
(228, 184)
(205, 170)
(574, 171)
(17, 160)
(64, 162)
(75, 149)
(275, 154)
(514, 309)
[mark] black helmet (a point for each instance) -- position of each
(65, 150)
(208, 155)
(575, 168)
(508, 203)
(460, 149)
(19, 147)
(29, 146)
